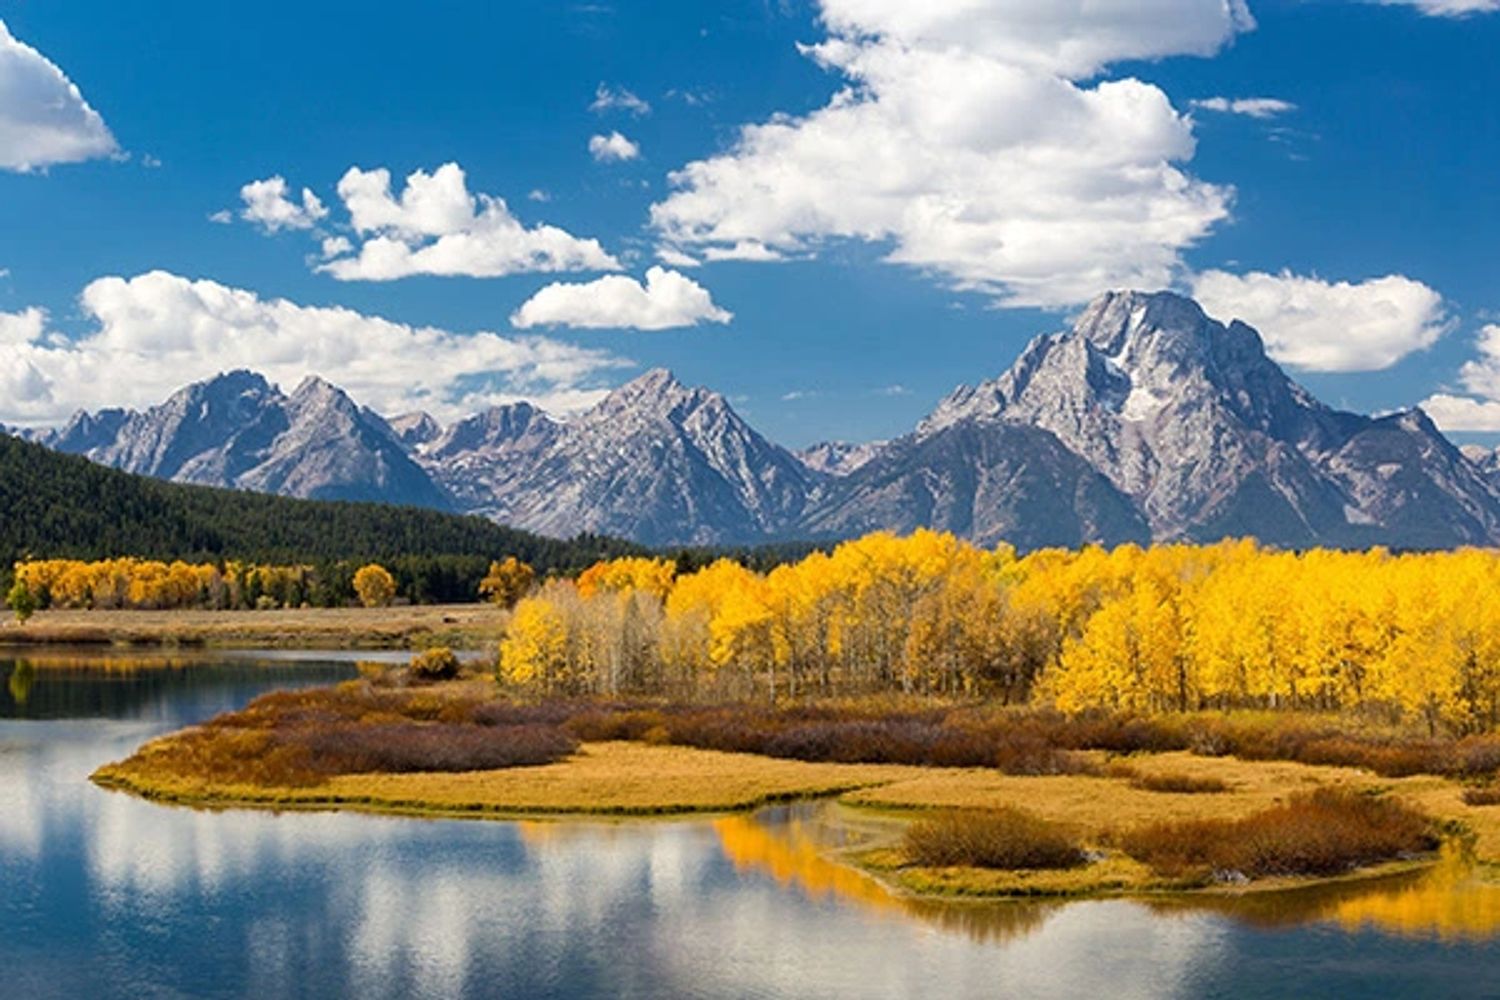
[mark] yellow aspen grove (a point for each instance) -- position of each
(142, 584)
(1168, 628)
(535, 648)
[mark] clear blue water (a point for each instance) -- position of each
(107, 896)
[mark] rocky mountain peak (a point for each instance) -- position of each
(496, 428)
(316, 389)
(416, 430)
(657, 393)
(839, 458)
(1117, 321)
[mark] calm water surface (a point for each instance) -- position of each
(106, 896)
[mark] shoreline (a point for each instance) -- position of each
(674, 783)
(400, 628)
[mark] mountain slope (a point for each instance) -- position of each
(1145, 420)
(655, 461)
(237, 430)
(1208, 438)
(65, 506)
(985, 480)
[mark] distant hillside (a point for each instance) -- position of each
(62, 506)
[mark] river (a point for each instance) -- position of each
(108, 896)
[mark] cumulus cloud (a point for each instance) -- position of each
(975, 140)
(1481, 378)
(1448, 8)
(1323, 326)
(1251, 107)
(667, 300)
(43, 117)
(613, 148)
(436, 226)
(608, 98)
(1463, 413)
(154, 332)
(268, 205)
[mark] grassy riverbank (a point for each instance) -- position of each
(431, 750)
(458, 625)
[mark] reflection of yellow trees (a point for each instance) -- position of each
(1450, 903)
(795, 853)
(791, 854)
(20, 682)
(1167, 628)
(129, 664)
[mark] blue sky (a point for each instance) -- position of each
(1012, 167)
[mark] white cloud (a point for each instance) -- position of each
(336, 246)
(608, 98)
(1462, 413)
(437, 227)
(667, 300)
(1324, 326)
(752, 250)
(974, 139)
(1251, 107)
(673, 257)
(613, 148)
(1481, 378)
(157, 331)
(43, 117)
(267, 205)
(1448, 8)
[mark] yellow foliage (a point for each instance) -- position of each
(535, 647)
(1166, 628)
(507, 582)
(143, 584)
(375, 586)
(653, 576)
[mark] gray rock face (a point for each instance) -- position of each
(986, 480)
(654, 461)
(839, 458)
(239, 431)
(1208, 438)
(416, 430)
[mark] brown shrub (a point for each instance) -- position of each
(990, 838)
(395, 748)
(1487, 795)
(1176, 784)
(1324, 832)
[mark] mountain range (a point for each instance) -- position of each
(1146, 420)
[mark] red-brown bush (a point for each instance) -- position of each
(990, 838)
(1324, 832)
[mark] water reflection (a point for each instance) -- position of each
(798, 847)
(106, 895)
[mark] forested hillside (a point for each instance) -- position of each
(61, 506)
